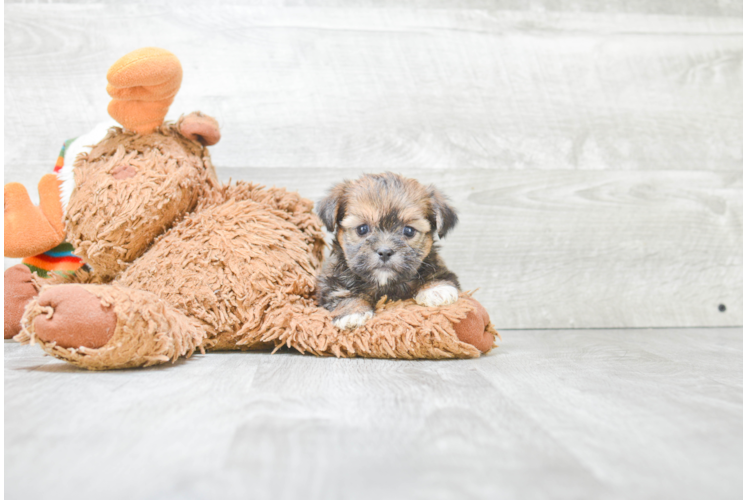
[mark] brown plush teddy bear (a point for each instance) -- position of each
(177, 262)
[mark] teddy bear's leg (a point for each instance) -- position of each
(19, 290)
(101, 327)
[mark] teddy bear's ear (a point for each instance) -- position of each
(332, 208)
(201, 128)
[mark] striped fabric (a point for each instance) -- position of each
(61, 258)
(61, 158)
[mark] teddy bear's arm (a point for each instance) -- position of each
(398, 330)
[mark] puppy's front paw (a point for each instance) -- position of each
(352, 320)
(439, 295)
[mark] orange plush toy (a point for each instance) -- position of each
(176, 261)
(31, 230)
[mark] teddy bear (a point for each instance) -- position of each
(164, 260)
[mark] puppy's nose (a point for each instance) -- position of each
(385, 253)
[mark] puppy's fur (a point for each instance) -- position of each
(384, 227)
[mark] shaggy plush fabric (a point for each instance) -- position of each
(150, 331)
(111, 221)
(179, 262)
(236, 272)
(401, 329)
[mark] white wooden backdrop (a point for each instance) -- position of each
(593, 149)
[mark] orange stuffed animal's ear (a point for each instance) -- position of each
(143, 84)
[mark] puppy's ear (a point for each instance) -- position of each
(332, 208)
(444, 216)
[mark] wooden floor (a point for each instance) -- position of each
(577, 414)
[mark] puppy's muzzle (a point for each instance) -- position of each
(385, 253)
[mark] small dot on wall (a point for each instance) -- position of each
(722, 308)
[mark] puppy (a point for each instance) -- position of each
(384, 227)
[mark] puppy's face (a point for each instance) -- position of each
(385, 225)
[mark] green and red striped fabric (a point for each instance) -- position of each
(60, 259)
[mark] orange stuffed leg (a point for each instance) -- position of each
(31, 230)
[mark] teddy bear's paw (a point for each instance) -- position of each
(476, 329)
(353, 320)
(74, 317)
(439, 295)
(19, 290)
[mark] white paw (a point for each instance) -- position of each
(440, 295)
(353, 320)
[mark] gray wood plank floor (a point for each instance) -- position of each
(549, 414)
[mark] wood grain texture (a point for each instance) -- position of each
(391, 88)
(548, 415)
(721, 8)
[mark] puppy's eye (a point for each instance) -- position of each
(409, 232)
(362, 229)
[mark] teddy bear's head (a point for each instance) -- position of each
(119, 187)
(131, 187)
(141, 178)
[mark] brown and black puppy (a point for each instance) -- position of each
(384, 227)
